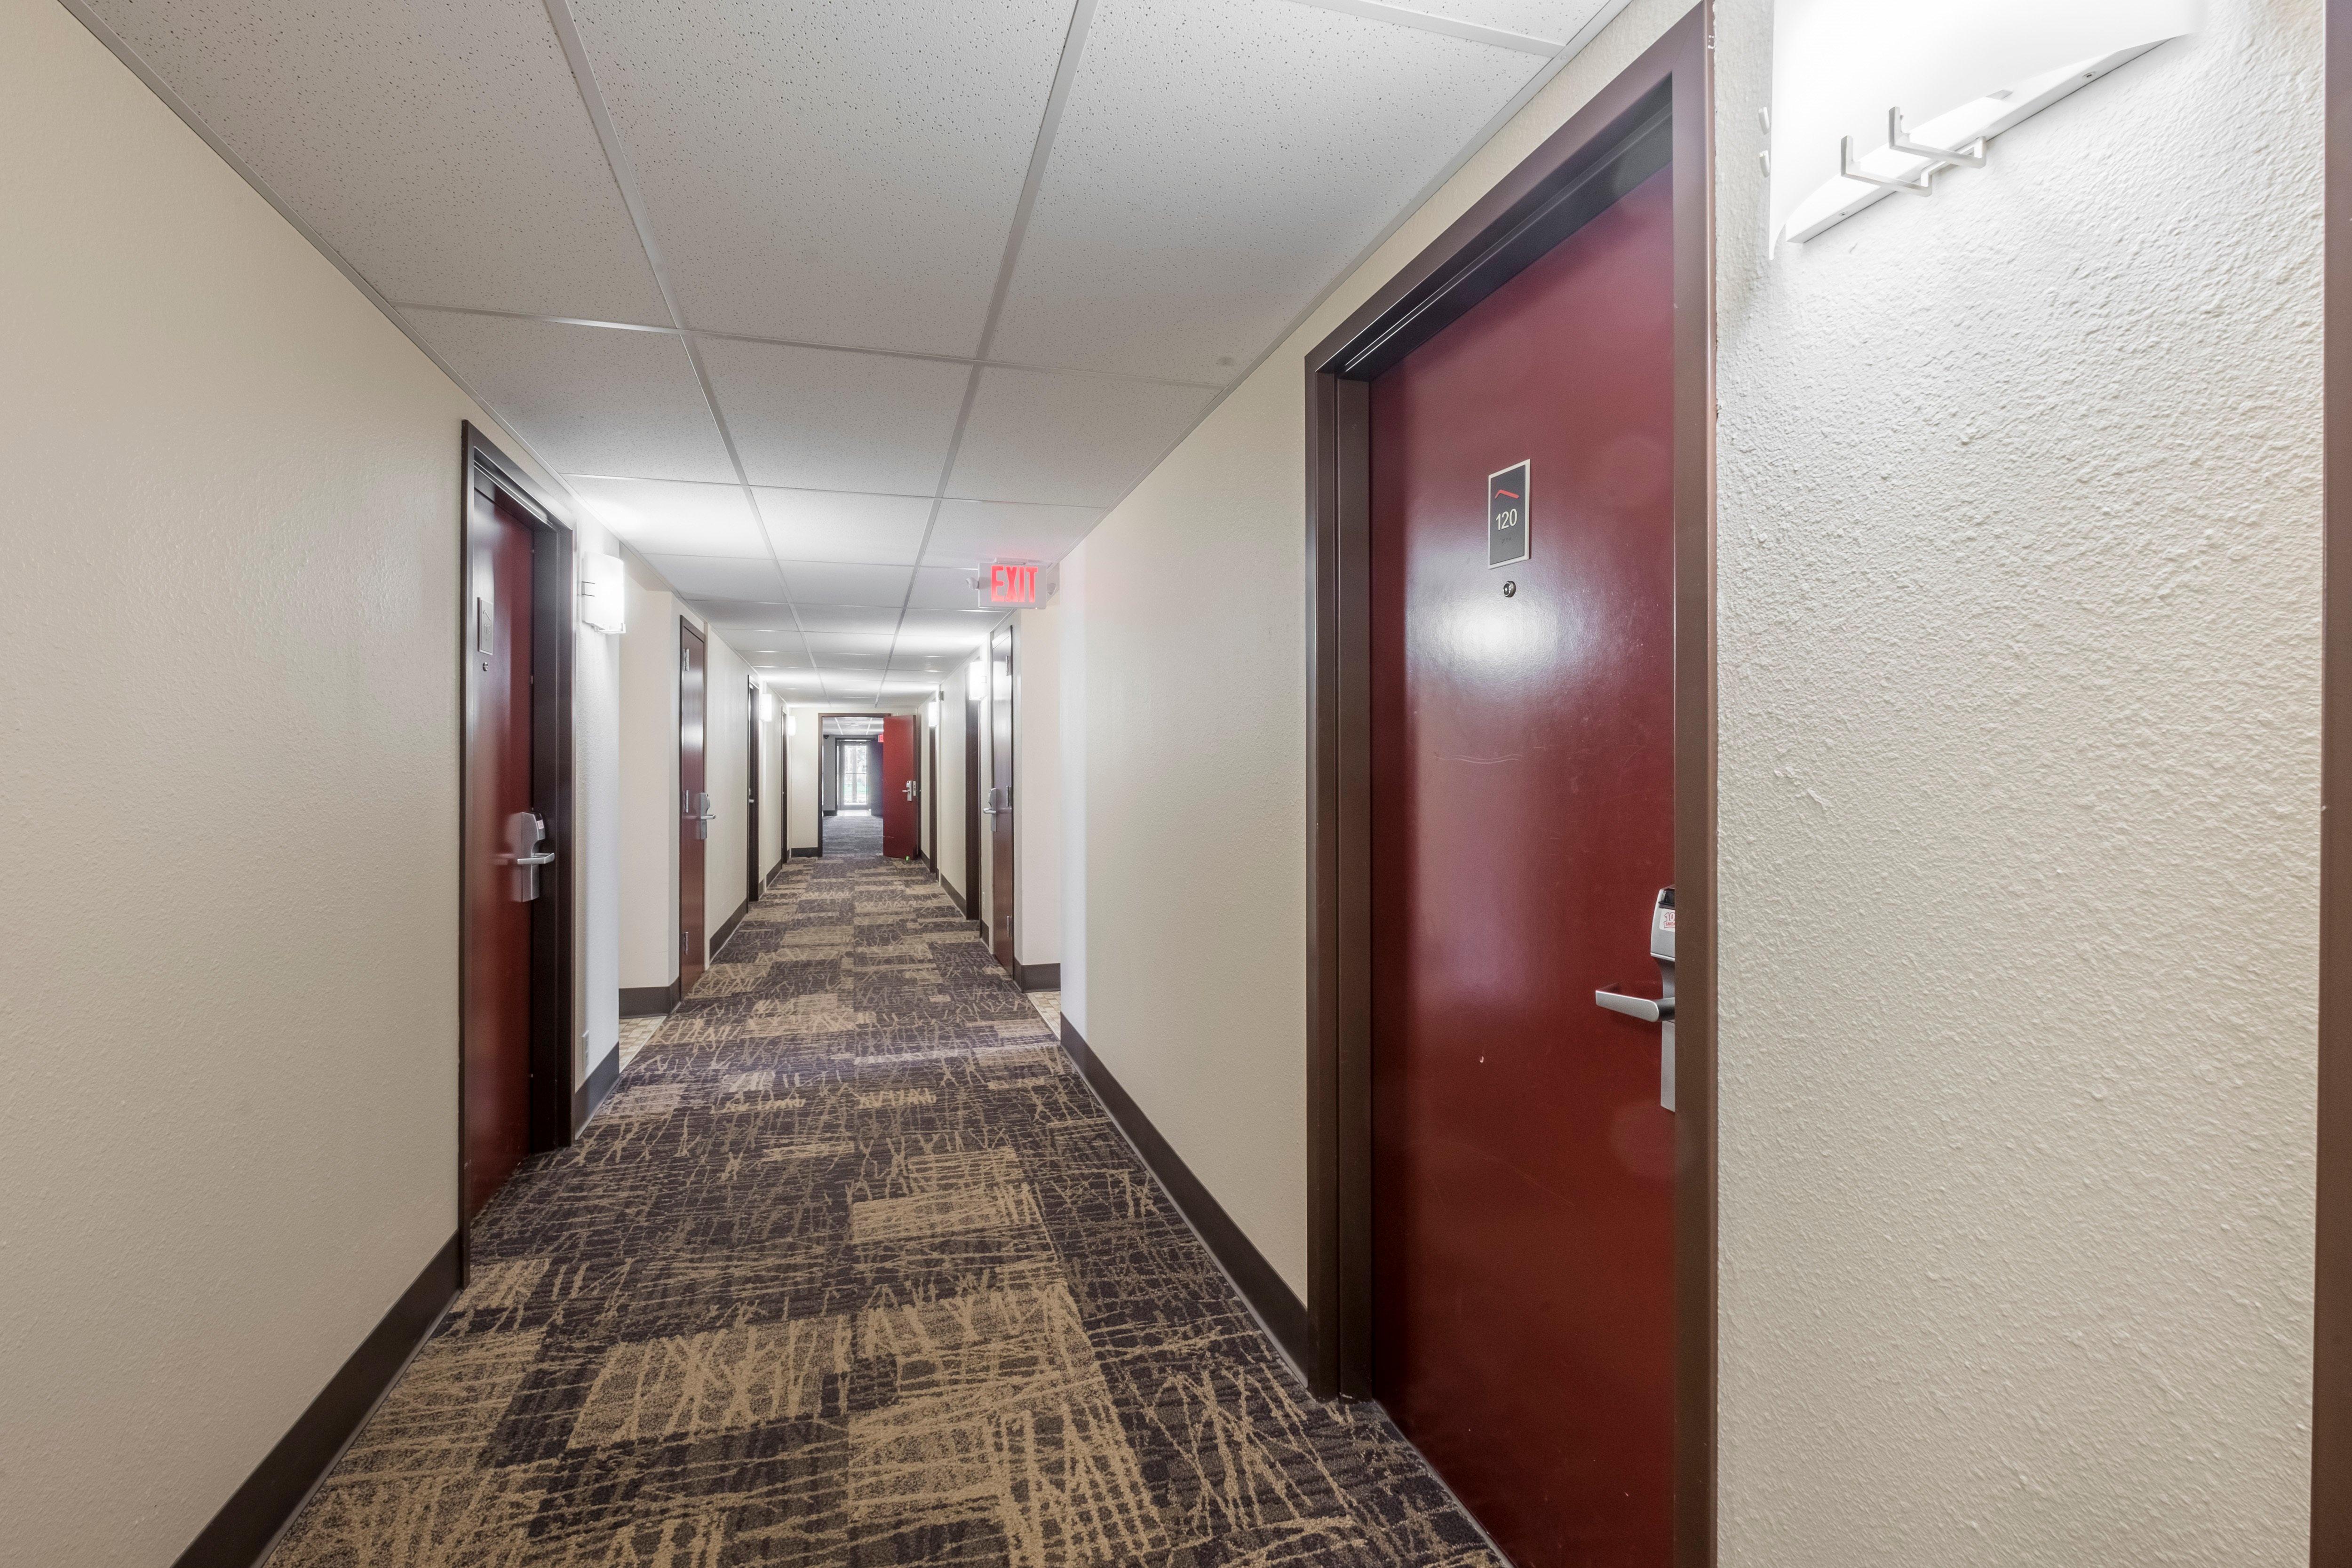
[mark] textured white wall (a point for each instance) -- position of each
(228, 905)
(2019, 618)
(800, 768)
(1196, 849)
(597, 804)
(648, 748)
(1037, 786)
(952, 782)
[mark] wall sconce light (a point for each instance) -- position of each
(932, 714)
(767, 707)
(975, 683)
(1870, 98)
(604, 594)
(791, 723)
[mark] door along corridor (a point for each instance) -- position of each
(853, 1269)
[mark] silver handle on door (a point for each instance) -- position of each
(525, 833)
(910, 789)
(702, 822)
(1642, 1007)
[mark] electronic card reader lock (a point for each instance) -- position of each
(1659, 1010)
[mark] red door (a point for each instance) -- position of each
(496, 1110)
(1522, 819)
(898, 787)
(695, 810)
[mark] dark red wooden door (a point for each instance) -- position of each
(695, 810)
(897, 807)
(498, 791)
(1522, 823)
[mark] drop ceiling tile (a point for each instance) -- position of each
(1067, 440)
(944, 633)
(775, 658)
(858, 619)
(817, 419)
(821, 583)
(827, 645)
(971, 532)
(670, 518)
(1557, 21)
(441, 146)
(836, 525)
(1218, 164)
(903, 687)
(943, 588)
(720, 576)
(590, 400)
(840, 172)
(749, 612)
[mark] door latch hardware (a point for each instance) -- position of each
(1659, 1010)
(525, 834)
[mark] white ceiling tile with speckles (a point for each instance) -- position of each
(440, 145)
(1067, 440)
(831, 525)
(1557, 21)
(834, 171)
(720, 576)
(1218, 164)
(589, 401)
(664, 517)
(971, 532)
(812, 419)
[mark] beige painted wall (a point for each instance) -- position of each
(228, 909)
(1037, 786)
(648, 833)
(801, 769)
(2020, 661)
(1071, 781)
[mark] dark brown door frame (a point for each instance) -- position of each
(1659, 108)
(2331, 1370)
(490, 476)
(751, 792)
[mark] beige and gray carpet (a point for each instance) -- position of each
(852, 1272)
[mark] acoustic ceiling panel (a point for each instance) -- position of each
(440, 145)
(720, 577)
(817, 419)
(668, 517)
(819, 583)
(925, 633)
(589, 400)
(943, 588)
(730, 613)
(1067, 440)
(834, 171)
(865, 620)
(1557, 21)
(838, 525)
(971, 532)
(826, 645)
(1218, 164)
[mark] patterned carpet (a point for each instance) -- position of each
(852, 1272)
(851, 834)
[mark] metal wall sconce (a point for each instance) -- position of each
(1922, 183)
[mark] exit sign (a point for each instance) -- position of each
(1012, 587)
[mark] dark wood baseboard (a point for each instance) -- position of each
(1268, 1294)
(648, 1001)
(242, 1533)
(1038, 976)
(805, 852)
(589, 1098)
(726, 927)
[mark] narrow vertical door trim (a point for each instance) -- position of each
(1658, 109)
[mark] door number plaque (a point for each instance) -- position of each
(1507, 514)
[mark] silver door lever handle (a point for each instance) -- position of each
(1649, 1010)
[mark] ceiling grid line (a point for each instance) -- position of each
(810, 343)
(1430, 21)
(624, 176)
(152, 79)
(1066, 71)
(1593, 25)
